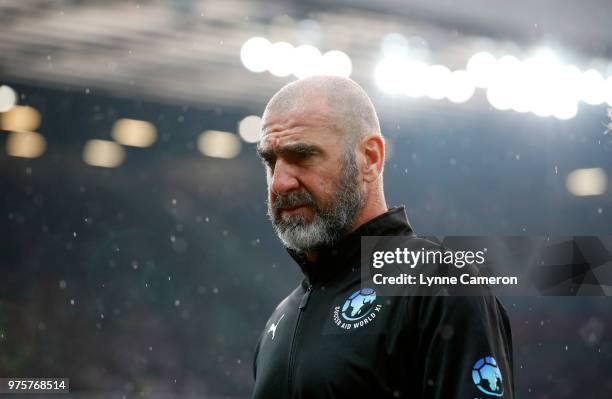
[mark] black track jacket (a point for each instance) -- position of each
(328, 339)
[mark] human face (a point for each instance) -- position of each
(313, 195)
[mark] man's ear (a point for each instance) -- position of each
(372, 149)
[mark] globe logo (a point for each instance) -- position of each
(357, 305)
(487, 377)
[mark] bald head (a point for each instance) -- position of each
(345, 104)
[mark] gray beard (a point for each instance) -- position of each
(331, 221)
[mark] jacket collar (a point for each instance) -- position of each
(332, 260)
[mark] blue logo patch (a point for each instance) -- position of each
(487, 376)
(358, 304)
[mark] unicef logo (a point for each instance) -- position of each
(358, 304)
(487, 377)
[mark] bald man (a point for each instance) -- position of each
(324, 155)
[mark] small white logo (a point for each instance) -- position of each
(358, 310)
(273, 326)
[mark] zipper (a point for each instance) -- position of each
(302, 307)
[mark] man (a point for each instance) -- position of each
(324, 153)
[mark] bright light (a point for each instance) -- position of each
(399, 75)
(519, 87)
(250, 129)
(608, 91)
(255, 54)
(585, 182)
(546, 56)
(481, 68)
(460, 87)
(566, 91)
(337, 63)
(437, 82)
(389, 73)
(540, 86)
(8, 98)
(507, 64)
(25, 144)
(307, 61)
(565, 109)
(503, 92)
(571, 78)
(413, 81)
(281, 60)
(562, 94)
(134, 133)
(593, 91)
(103, 153)
(21, 119)
(214, 143)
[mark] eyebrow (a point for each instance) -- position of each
(289, 149)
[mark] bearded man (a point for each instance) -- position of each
(324, 153)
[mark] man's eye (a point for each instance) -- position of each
(301, 156)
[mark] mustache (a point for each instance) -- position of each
(293, 199)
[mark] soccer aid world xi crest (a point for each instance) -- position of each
(487, 377)
(359, 309)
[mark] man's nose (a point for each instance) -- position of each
(284, 179)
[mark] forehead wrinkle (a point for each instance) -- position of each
(297, 134)
(279, 127)
(312, 114)
(276, 136)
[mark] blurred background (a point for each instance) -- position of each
(136, 257)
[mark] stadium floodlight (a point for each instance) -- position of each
(218, 144)
(592, 87)
(103, 153)
(21, 118)
(414, 78)
(282, 59)
(437, 82)
(481, 68)
(565, 108)
(389, 74)
(541, 88)
(25, 144)
(587, 182)
(502, 92)
(571, 78)
(255, 54)
(249, 129)
(460, 87)
(8, 98)
(308, 61)
(337, 63)
(135, 133)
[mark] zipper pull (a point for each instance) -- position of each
(304, 300)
